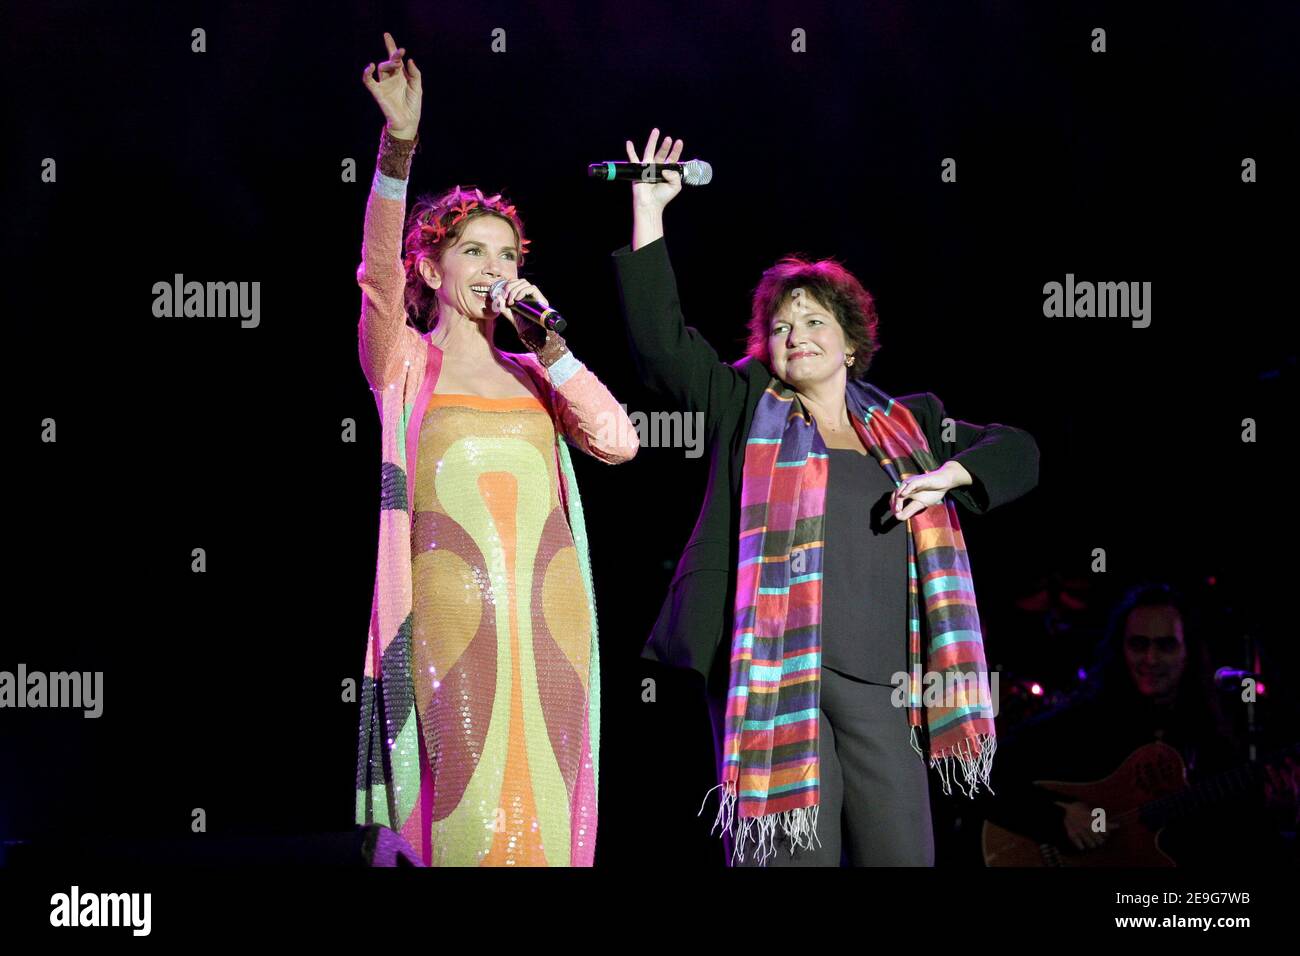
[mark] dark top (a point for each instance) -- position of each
(677, 363)
(864, 572)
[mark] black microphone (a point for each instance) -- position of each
(530, 309)
(695, 172)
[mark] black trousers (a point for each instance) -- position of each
(875, 796)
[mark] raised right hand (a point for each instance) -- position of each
(654, 196)
(398, 91)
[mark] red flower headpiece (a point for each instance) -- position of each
(433, 227)
(462, 209)
(437, 230)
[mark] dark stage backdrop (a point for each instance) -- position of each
(222, 690)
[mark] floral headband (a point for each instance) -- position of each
(433, 224)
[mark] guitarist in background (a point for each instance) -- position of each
(1153, 682)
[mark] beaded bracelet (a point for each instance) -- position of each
(553, 350)
(548, 346)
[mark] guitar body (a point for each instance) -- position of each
(1152, 771)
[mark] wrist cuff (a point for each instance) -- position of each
(395, 155)
(564, 369)
(388, 187)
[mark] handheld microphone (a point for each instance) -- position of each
(695, 172)
(1231, 678)
(529, 309)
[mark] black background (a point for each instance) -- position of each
(222, 690)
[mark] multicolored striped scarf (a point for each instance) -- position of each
(770, 772)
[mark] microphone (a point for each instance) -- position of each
(1230, 678)
(530, 309)
(695, 172)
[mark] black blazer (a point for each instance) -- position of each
(676, 362)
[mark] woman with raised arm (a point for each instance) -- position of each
(827, 558)
(480, 710)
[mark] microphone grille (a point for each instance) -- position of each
(696, 172)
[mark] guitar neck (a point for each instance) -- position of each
(1201, 796)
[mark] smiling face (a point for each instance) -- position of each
(486, 251)
(806, 344)
(1155, 650)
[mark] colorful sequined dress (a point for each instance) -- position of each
(500, 642)
(479, 733)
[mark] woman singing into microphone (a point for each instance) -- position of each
(826, 560)
(479, 737)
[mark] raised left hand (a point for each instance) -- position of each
(919, 492)
(399, 90)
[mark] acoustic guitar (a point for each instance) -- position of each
(1147, 793)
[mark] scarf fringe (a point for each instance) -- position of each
(799, 826)
(975, 768)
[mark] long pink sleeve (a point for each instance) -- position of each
(591, 417)
(384, 340)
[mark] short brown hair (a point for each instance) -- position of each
(833, 286)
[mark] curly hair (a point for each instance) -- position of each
(435, 224)
(830, 284)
